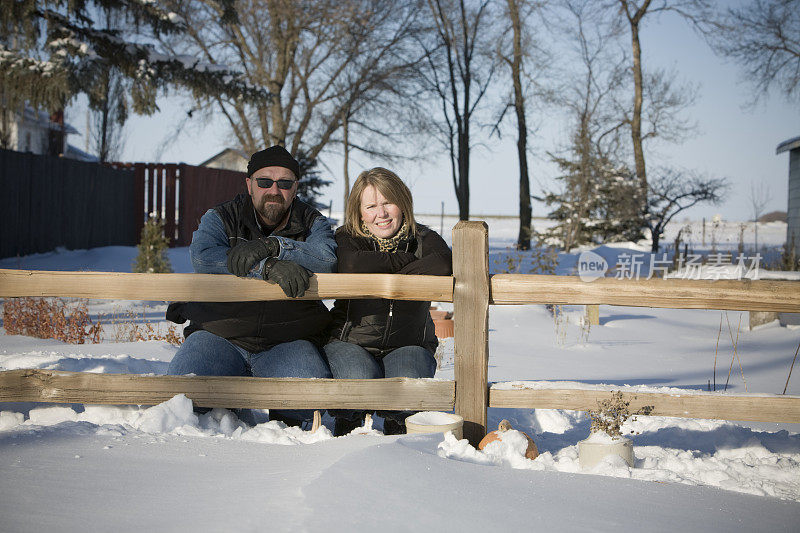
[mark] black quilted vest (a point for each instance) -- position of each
(257, 326)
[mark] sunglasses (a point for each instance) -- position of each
(266, 183)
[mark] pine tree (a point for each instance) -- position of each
(152, 258)
(619, 213)
(53, 50)
(308, 188)
(599, 203)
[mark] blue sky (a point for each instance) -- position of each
(732, 141)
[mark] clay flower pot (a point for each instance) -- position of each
(437, 314)
(443, 323)
(444, 328)
(532, 452)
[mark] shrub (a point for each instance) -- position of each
(153, 245)
(54, 318)
(46, 318)
(612, 413)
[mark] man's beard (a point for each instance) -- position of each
(271, 213)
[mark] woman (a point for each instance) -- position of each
(381, 338)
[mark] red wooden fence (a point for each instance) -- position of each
(180, 194)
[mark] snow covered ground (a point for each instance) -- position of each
(98, 468)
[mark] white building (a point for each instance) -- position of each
(793, 210)
(228, 159)
(38, 133)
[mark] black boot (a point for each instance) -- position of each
(344, 426)
(393, 427)
(286, 420)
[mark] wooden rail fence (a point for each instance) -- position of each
(471, 290)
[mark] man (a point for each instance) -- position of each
(271, 235)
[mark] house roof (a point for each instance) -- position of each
(225, 152)
(73, 152)
(786, 146)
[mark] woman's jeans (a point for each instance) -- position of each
(206, 354)
(351, 361)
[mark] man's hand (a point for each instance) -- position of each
(291, 277)
(243, 257)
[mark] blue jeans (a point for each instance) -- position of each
(351, 361)
(206, 354)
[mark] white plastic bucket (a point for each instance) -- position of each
(435, 422)
(590, 453)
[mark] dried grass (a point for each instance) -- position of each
(51, 318)
(130, 326)
(69, 321)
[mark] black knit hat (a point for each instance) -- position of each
(274, 156)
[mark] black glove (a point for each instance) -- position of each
(292, 278)
(242, 257)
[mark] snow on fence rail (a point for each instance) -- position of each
(471, 290)
(684, 404)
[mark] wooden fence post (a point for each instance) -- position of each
(593, 314)
(471, 315)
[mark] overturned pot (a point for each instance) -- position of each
(599, 445)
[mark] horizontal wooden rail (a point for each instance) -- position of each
(745, 295)
(396, 393)
(33, 385)
(691, 405)
(217, 288)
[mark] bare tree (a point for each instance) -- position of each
(593, 178)
(524, 237)
(108, 99)
(759, 198)
(514, 56)
(323, 61)
(634, 12)
(634, 15)
(346, 159)
(109, 112)
(457, 73)
(673, 191)
(763, 37)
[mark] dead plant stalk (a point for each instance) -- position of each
(719, 333)
(735, 352)
(790, 369)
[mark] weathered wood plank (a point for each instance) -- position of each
(708, 405)
(745, 295)
(232, 392)
(471, 309)
(593, 314)
(217, 288)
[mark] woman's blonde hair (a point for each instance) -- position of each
(390, 186)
